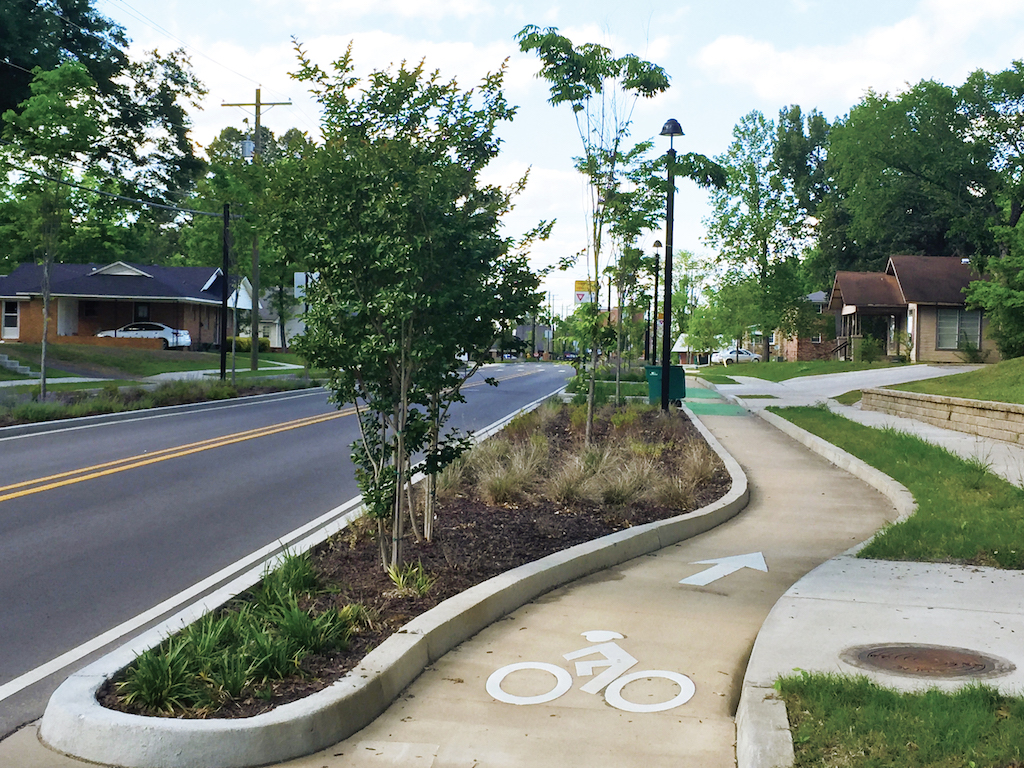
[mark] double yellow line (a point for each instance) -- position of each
(28, 487)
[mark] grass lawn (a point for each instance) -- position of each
(965, 514)
(853, 722)
(1002, 383)
(111, 362)
(7, 375)
(849, 398)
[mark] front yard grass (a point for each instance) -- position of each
(1001, 383)
(850, 721)
(965, 513)
(128, 363)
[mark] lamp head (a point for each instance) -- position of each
(671, 129)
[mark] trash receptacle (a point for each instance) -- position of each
(676, 383)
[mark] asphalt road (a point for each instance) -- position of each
(101, 523)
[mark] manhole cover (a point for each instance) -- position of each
(926, 661)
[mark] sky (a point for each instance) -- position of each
(724, 57)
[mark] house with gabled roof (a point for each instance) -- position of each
(88, 298)
(916, 308)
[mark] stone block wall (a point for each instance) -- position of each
(1000, 421)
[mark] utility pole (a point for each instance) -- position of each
(255, 315)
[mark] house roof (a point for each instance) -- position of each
(120, 280)
(865, 290)
(931, 279)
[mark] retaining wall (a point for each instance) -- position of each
(1000, 421)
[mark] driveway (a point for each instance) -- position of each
(808, 390)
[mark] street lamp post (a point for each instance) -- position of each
(670, 129)
(654, 312)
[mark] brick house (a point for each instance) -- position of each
(799, 348)
(88, 298)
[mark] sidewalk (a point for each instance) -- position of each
(1003, 459)
(731, 636)
(447, 718)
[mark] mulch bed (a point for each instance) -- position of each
(473, 541)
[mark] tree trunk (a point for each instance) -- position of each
(47, 261)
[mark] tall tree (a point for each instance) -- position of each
(412, 272)
(144, 102)
(47, 33)
(755, 223)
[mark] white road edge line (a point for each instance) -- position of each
(343, 514)
(257, 558)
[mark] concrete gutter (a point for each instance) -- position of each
(75, 724)
(763, 737)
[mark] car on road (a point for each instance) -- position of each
(730, 356)
(171, 337)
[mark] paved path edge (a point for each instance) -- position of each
(75, 724)
(763, 737)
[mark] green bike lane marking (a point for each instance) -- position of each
(707, 402)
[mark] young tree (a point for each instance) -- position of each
(412, 271)
(602, 90)
(54, 127)
(755, 222)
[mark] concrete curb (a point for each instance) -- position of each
(763, 738)
(75, 724)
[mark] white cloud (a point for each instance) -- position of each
(943, 39)
(333, 10)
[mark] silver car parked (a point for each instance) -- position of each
(729, 356)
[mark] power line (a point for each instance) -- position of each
(314, 124)
(124, 198)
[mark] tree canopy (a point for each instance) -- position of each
(413, 275)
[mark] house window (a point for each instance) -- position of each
(816, 338)
(141, 312)
(771, 338)
(957, 328)
(10, 320)
(88, 308)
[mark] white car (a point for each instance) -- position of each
(171, 337)
(728, 356)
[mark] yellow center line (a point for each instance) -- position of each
(112, 467)
(29, 487)
(503, 378)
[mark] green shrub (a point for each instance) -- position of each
(244, 343)
(869, 350)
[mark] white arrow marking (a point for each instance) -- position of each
(723, 566)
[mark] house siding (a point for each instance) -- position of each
(794, 350)
(926, 333)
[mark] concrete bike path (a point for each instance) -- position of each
(802, 512)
